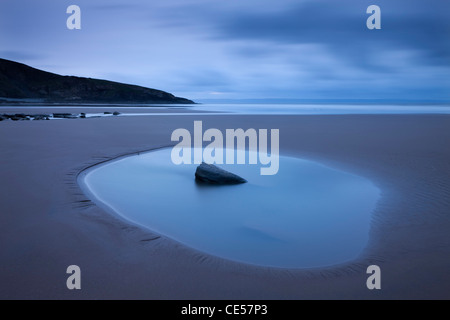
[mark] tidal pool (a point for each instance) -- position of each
(307, 215)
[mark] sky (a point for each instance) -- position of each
(235, 49)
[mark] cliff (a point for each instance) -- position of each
(21, 83)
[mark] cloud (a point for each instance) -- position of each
(411, 48)
(20, 55)
(341, 25)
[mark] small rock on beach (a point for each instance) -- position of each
(208, 173)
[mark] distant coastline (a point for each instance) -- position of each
(325, 101)
(28, 103)
(23, 85)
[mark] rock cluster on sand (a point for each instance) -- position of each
(208, 173)
(22, 116)
(65, 115)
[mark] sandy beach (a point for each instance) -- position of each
(47, 223)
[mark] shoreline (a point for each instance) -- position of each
(108, 249)
(91, 197)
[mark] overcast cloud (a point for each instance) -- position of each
(203, 49)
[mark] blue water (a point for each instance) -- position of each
(311, 109)
(307, 215)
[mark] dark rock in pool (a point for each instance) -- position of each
(107, 112)
(115, 113)
(208, 173)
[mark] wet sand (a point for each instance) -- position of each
(47, 223)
